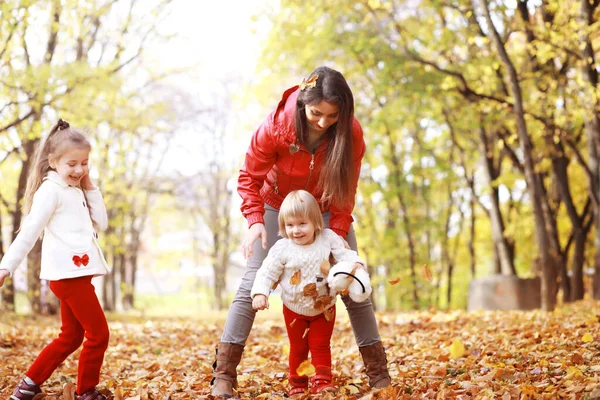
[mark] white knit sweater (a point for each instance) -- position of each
(69, 246)
(286, 259)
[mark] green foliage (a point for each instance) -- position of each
(429, 86)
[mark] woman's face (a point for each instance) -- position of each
(321, 116)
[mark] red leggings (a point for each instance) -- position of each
(317, 340)
(81, 316)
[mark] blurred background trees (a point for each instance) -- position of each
(481, 120)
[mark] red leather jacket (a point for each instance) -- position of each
(271, 171)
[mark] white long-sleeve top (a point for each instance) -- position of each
(69, 247)
(286, 259)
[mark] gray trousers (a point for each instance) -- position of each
(241, 314)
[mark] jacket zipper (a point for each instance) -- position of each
(310, 168)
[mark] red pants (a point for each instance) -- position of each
(81, 316)
(317, 340)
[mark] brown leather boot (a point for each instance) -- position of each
(376, 365)
(225, 375)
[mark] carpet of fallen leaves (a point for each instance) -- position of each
(432, 355)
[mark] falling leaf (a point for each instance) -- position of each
(329, 314)
(325, 267)
(293, 322)
(457, 349)
(275, 285)
(345, 292)
(587, 338)
(394, 281)
(332, 260)
(296, 278)
(427, 273)
(305, 368)
(305, 333)
(310, 290)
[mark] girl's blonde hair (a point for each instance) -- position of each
(62, 137)
(300, 204)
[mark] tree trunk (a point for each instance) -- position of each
(549, 273)
(471, 244)
(592, 126)
(504, 257)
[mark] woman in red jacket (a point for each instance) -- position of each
(311, 141)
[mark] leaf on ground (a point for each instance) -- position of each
(457, 349)
(587, 338)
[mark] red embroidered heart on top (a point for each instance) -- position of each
(81, 260)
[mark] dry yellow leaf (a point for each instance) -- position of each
(305, 368)
(296, 278)
(587, 338)
(573, 372)
(457, 349)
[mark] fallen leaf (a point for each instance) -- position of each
(296, 278)
(587, 338)
(576, 358)
(69, 391)
(305, 369)
(457, 349)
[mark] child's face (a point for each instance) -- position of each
(72, 165)
(300, 230)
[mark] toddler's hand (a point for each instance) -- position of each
(260, 302)
(3, 275)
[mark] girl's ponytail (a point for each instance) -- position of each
(41, 165)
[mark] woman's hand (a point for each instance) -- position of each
(260, 302)
(256, 231)
(86, 183)
(357, 266)
(3, 275)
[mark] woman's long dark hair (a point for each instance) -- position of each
(337, 175)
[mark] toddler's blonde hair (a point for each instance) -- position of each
(300, 204)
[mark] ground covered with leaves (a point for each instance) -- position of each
(439, 355)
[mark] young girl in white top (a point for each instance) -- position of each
(299, 264)
(62, 202)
